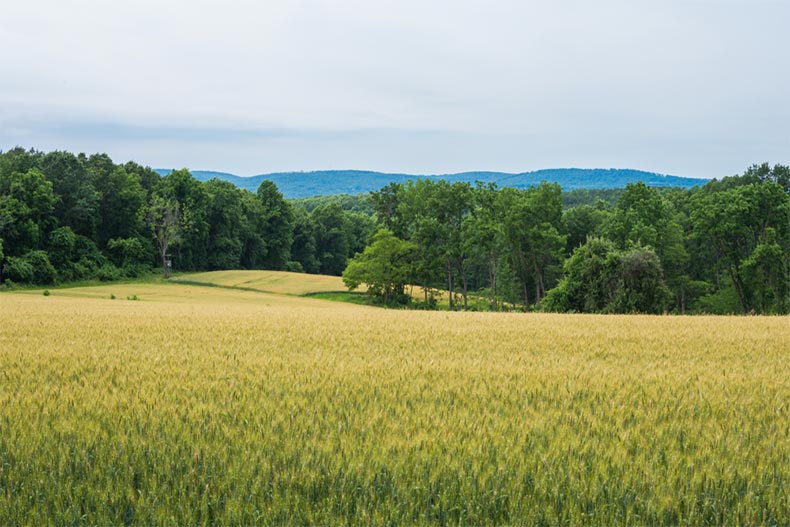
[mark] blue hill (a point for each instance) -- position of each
(329, 182)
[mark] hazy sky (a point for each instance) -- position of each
(685, 87)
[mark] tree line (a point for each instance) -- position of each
(66, 217)
(720, 248)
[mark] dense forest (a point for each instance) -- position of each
(720, 248)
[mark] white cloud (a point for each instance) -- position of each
(687, 87)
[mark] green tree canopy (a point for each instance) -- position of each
(384, 266)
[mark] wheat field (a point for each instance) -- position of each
(279, 282)
(203, 406)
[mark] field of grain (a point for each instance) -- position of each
(280, 282)
(207, 406)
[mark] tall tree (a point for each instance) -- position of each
(225, 218)
(384, 266)
(532, 227)
(733, 223)
(27, 205)
(193, 201)
(164, 217)
(331, 238)
(122, 200)
(79, 201)
(303, 248)
(278, 225)
(484, 234)
(645, 218)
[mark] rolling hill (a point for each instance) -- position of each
(329, 182)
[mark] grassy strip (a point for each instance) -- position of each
(351, 297)
(148, 278)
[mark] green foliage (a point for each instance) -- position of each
(27, 202)
(722, 301)
(109, 273)
(581, 222)
(360, 203)
(332, 238)
(129, 254)
(532, 227)
(121, 205)
(17, 269)
(598, 278)
(79, 203)
(765, 277)
(33, 267)
(165, 219)
(731, 225)
(303, 248)
(278, 225)
(384, 266)
(192, 249)
(590, 279)
(641, 288)
(590, 197)
(94, 218)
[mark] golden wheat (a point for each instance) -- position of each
(210, 406)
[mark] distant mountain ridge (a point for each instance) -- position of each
(329, 182)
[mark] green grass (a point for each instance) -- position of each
(349, 297)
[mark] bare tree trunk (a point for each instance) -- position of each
(540, 287)
(739, 289)
(165, 267)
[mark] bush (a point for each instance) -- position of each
(108, 272)
(129, 254)
(294, 267)
(32, 268)
(722, 302)
(43, 271)
(641, 287)
(18, 270)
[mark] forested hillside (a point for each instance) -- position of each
(331, 182)
(720, 248)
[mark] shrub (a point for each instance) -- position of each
(294, 267)
(108, 272)
(18, 270)
(32, 268)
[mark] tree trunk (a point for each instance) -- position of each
(739, 290)
(163, 256)
(541, 286)
(462, 270)
(492, 264)
(682, 300)
(450, 283)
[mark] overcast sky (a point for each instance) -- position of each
(687, 87)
